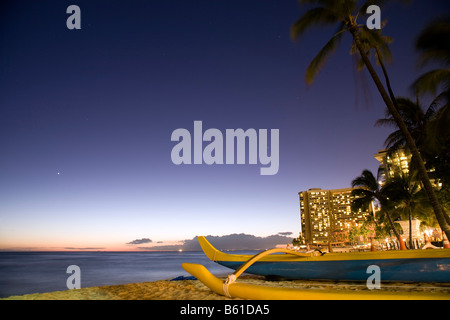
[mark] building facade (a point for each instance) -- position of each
(394, 162)
(326, 215)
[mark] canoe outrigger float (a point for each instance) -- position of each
(409, 265)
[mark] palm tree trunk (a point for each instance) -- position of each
(438, 210)
(399, 237)
(386, 78)
(410, 228)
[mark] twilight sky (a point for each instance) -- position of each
(86, 117)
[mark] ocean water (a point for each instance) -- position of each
(38, 272)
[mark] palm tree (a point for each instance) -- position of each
(369, 190)
(434, 48)
(404, 190)
(430, 130)
(416, 120)
(345, 14)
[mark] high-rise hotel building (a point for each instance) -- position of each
(394, 162)
(326, 215)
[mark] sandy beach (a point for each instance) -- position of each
(195, 290)
(157, 290)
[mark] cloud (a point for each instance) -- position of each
(140, 241)
(229, 242)
(285, 233)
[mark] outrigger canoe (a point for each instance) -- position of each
(397, 265)
(232, 289)
(339, 266)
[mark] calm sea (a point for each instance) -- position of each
(38, 272)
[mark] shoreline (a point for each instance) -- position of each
(195, 290)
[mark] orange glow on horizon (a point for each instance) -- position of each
(25, 246)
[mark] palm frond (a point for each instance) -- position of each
(319, 16)
(438, 103)
(319, 60)
(431, 81)
(395, 141)
(385, 122)
(433, 42)
(373, 41)
(431, 111)
(366, 180)
(379, 41)
(438, 130)
(415, 119)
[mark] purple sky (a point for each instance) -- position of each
(86, 117)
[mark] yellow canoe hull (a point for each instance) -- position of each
(395, 266)
(216, 255)
(255, 292)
